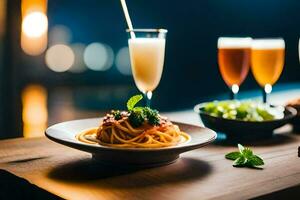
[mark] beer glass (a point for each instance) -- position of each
(147, 52)
(267, 61)
(234, 61)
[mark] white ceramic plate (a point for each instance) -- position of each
(65, 132)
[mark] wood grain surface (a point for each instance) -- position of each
(199, 174)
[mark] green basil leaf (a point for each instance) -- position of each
(256, 160)
(133, 101)
(245, 158)
(247, 152)
(233, 155)
(241, 148)
(240, 162)
(138, 109)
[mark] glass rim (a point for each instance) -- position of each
(234, 38)
(147, 30)
(234, 42)
(270, 43)
(268, 39)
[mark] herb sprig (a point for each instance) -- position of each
(138, 115)
(245, 158)
(133, 101)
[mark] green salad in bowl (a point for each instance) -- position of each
(243, 110)
(244, 120)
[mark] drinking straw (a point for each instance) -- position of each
(127, 17)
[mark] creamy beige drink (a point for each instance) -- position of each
(147, 59)
(147, 53)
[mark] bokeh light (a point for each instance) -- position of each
(60, 34)
(29, 6)
(59, 58)
(235, 88)
(2, 17)
(123, 61)
(35, 24)
(268, 88)
(111, 56)
(78, 65)
(98, 56)
(34, 34)
(34, 45)
(34, 110)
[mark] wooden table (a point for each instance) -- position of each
(199, 174)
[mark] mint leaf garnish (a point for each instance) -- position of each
(138, 115)
(232, 155)
(241, 148)
(256, 160)
(240, 161)
(245, 158)
(247, 152)
(133, 101)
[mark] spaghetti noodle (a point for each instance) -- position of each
(120, 133)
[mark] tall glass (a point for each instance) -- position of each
(234, 61)
(147, 52)
(267, 61)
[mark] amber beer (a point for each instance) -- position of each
(234, 59)
(267, 60)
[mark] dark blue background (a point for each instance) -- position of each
(191, 71)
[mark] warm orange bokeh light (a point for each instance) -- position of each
(29, 6)
(2, 17)
(34, 35)
(34, 46)
(34, 113)
(35, 24)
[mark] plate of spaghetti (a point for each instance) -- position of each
(138, 136)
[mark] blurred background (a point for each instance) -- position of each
(66, 59)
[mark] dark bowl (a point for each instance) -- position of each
(238, 129)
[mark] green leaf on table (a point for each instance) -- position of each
(247, 152)
(233, 155)
(256, 160)
(245, 158)
(133, 101)
(241, 148)
(240, 161)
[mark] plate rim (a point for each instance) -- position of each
(96, 147)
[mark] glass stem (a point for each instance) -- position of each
(264, 95)
(233, 91)
(266, 90)
(148, 96)
(232, 95)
